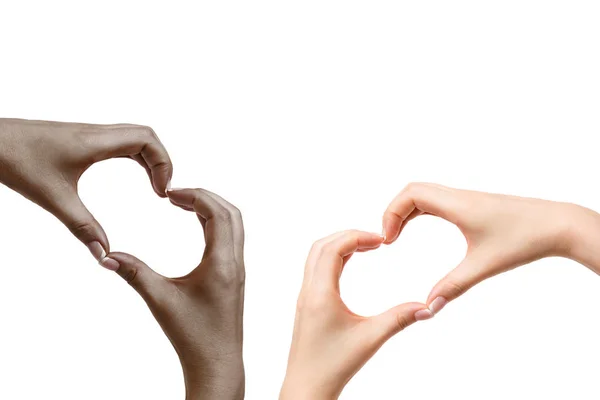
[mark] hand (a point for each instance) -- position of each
(202, 312)
(43, 161)
(330, 343)
(502, 232)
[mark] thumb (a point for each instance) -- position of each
(383, 326)
(462, 278)
(135, 272)
(74, 215)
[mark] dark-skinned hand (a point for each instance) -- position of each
(44, 160)
(201, 313)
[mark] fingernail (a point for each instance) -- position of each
(173, 189)
(422, 315)
(437, 304)
(168, 186)
(110, 264)
(97, 250)
(383, 234)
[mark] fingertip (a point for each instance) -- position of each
(383, 235)
(129, 266)
(110, 264)
(437, 304)
(97, 250)
(370, 241)
(93, 236)
(179, 195)
(123, 258)
(391, 227)
(161, 178)
(423, 314)
(160, 189)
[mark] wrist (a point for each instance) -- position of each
(4, 142)
(215, 380)
(293, 390)
(291, 393)
(582, 236)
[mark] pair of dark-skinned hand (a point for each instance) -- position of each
(202, 312)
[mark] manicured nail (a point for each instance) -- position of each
(168, 186)
(97, 250)
(437, 304)
(110, 264)
(422, 315)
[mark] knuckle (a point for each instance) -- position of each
(316, 247)
(455, 289)
(354, 235)
(328, 249)
(232, 214)
(413, 187)
(402, 322)
(148, 131)
(83, 229)
(161, 166)
(130, 274)
(229, 272)
(230, 275)
(236, 214)
(224, 215)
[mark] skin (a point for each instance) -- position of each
(502, 232)
(330, 343)
(201, 313)
(43, 161)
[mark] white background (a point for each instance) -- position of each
(309, 116)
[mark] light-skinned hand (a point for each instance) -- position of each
(502, 232)
(331, 343)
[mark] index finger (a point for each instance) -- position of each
(222, 221)
(138, 142)
(428, 198)
(329, 263)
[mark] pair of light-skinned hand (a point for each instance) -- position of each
(202, 312)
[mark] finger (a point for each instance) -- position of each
(427, 198)
(135, 140)
(330, 262)
(140, 160)
(142, 278)
(416, 213)
(223, 225)
(71, 211)
(471, 271)
(383, 326)
(183, 207)
(314, 254)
